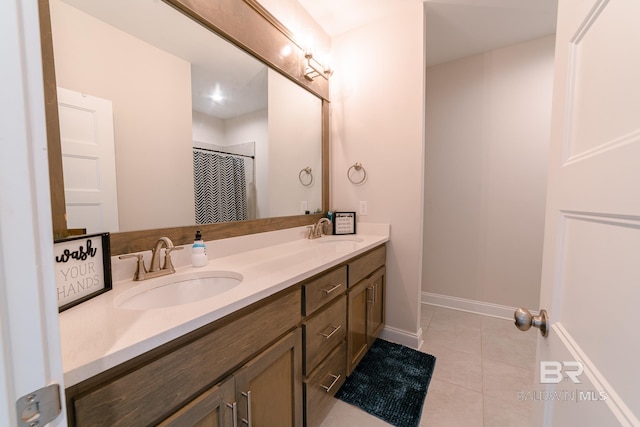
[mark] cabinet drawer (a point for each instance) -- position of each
(323, 332)
(366, 264)
(319, 291)
(150, 392)
(323, 384)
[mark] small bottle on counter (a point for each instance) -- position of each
(199, 256)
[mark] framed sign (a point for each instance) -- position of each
(344, 223)
(83, 268)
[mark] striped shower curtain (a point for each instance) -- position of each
(220, 188)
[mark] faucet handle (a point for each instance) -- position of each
(168, 265)
(141, 270)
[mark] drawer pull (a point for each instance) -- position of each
(335, 329)
(328, 291)
(335, 380)
(248, 396)
(234, 411)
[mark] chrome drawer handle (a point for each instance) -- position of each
(234, 411)
(328, 291)
(248, 396)
(335, 329)
(335, 380)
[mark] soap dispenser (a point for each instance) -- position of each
(199, 256)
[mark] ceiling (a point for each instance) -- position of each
(454, 28)
(226, 82)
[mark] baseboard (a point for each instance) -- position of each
(405, 338)
(415, 341)
(471, 306)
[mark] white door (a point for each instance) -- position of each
(88, 161)
(30, 356)
(591, 268)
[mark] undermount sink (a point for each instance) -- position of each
(338, 239)
(174, 289)
(338, 243)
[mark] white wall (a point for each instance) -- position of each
(295, 129)
(152, 127)
(487, 135)
(208, 129)
(378, 120)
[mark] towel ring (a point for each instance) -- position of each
(308, 171)
(358, 167)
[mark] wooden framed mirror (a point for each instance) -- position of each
(246, 25)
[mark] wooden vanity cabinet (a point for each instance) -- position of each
(324, 331)
(277, 362)
(152, 387)
(365, 304)
(264, 392)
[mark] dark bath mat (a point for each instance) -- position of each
(390, 383)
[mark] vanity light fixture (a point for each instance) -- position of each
(314, 68)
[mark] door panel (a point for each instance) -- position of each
(88, 159)
(29, 331)
(592, 237)
(602, 78)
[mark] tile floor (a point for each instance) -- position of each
(482, 362)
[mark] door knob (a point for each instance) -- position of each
(525, 320)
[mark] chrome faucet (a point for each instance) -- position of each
(315, 230)
(141, 272)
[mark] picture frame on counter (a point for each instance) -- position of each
(344, 223)
(82, 268)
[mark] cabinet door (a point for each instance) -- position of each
(375, 315)
(269, 387)
(215, 407)
(357, 321)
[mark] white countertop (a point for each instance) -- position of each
(96, 335)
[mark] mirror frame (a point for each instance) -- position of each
(250, 27)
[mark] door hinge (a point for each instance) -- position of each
(40, 407)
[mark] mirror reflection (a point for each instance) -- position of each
(150, 100)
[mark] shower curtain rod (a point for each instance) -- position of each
(224, 152)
